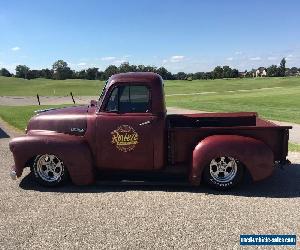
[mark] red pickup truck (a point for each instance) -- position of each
(128, 129)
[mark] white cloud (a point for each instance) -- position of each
(229, 58)
(238, 53)
(272, 58)
(81, 64)
(10, 66)
(108, 58)
(289, 57)
(177, 58)
(165, 61)
(15, 48)
(127, 56)
(119, 61)
(257, 58)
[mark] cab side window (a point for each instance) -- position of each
(112, 105)
(130, 99)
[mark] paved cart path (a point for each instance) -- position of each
(44, 100)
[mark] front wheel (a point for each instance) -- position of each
(49, 170)
(223, 173)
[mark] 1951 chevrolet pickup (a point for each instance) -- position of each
(128, 129)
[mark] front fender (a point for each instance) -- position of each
(254, 154)
(72, 150)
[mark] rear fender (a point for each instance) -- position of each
(72, 150)
(254, 154)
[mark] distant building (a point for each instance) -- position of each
(292, 71)
(243, 74)
(261, 71)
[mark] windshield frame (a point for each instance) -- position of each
(103, 92)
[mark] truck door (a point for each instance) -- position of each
(125, 130)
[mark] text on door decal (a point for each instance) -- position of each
(125, 138)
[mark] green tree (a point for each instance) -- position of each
(46, 73)
(81, 74)
(92, 73)
(61, 71)
(218, 72)
(164, 73)
(5, 72)
(33, 74)
(273, 71)
(294, 70)
(282, 67)
(110, 70)
(227, 72)
(150, 69)
(141, 68)
(198, 76)
(181, 76)
(101, 76)
(22, 71)
(235, 73)
(125, 67)
(209, 75)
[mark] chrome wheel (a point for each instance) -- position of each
(223, 169)
(49, 168)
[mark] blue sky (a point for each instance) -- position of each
(181, 35)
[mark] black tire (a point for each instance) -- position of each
(48, 170)
(223, 173)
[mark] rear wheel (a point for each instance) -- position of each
(223, 172)
(49, 170)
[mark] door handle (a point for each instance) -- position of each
(145, 123)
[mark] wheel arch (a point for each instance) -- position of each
(72, 150)
(254, 154)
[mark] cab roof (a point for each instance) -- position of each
(136, 77)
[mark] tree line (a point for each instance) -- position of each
(61, 71)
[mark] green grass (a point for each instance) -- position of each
(10, 86)
(18, 117)
(281, 103)
(294, 147)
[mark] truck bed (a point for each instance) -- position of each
(185, 131)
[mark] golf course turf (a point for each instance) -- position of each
(273, 98)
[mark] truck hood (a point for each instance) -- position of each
(70, 120)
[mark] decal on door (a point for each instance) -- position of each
(125, 138)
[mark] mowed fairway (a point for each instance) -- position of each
(19, 116)
(272, 98)
(10, 86)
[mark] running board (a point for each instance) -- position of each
(142, 183)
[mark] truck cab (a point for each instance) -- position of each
(130, 123)
(128, 130)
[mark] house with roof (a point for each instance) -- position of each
(261, 71)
